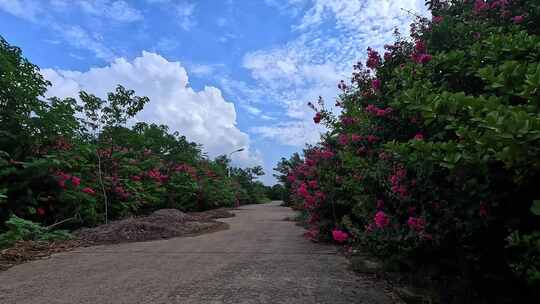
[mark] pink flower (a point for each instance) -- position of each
(317, 118)
(327, 154)
(75, 181)
(374, 59)
(310, 201)
(372, 138)
(356, 138)
(425, 58)
(89, 190)
(343, 139)
(339, 236)
(40, 211)
(62, 178)
(347, 120)
(381, 219)
(416, 224)
(313, 184)
(518, 19)
(291, 178)
(437, 19)
(380, 204)
(419, 136)
(136, 178)
(312, 234)
(480, 6)
(302, 190)
(376, 84)
(420, 47)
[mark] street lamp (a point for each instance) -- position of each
(229, 156)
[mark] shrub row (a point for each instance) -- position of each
(433, 163)
(78, 161)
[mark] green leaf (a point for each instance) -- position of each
(535, 208)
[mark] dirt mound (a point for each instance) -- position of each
(24, 251)
(169, 215)
(211, 214)
(162, 224)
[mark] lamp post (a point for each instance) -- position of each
(229, 157)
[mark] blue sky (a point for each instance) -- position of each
(226, 73)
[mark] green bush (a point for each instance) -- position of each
(434, 159)
(66, 159)
(23, 230)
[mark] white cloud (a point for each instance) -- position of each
(296, 133)
(45, 13)
(80, 38)
(203, 116)
(332, 35)
(40, 11)
(252, 110)
(25, 9)
(184, 13)
(115, 10)
(165, 44)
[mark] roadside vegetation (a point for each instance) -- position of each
(433, 163)
(69, 163)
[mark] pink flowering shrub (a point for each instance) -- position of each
(76, 162)
(435, 150)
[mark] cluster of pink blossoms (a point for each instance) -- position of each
(339, 236)
(64, 177)
(323, 154)
(374, 59)
(419, 136)
(481, 6)
(157, 176)
(376, 84)
(397, 181)
(89, 190)
(121, 192)
(437, 19)
(381, 219)
(186, 169)
(420, 54)
(416, 224)
(373, 109)
(345, 139)
(312, 234)
(348, 121)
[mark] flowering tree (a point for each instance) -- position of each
(74, 163)
(434, 159)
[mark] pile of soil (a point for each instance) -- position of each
(23, 251)
(211, 214)
(162, 224)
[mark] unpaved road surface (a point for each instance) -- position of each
(261, 259)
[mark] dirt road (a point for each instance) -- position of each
(261, 259)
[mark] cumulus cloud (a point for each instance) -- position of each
(202, 116)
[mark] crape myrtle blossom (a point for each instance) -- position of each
(339, 236)
(381, 219)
